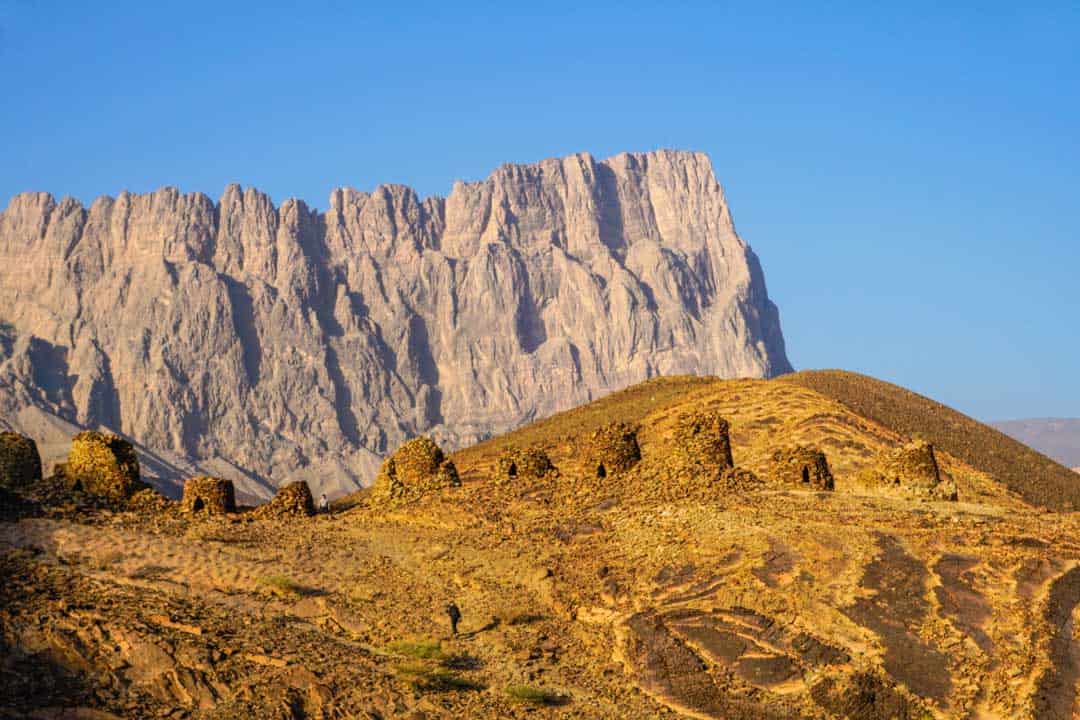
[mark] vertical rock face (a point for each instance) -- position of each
(284, 342)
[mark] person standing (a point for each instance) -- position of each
(324, 504)
(455, 616)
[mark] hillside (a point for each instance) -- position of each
(641, 577)
(1035, 477)
(280, 342)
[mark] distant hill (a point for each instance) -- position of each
(1058, 438)
(1035, 477)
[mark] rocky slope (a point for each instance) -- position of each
(667, 587)
(263, 343)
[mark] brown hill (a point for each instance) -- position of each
(670, 584)
(1035, 477)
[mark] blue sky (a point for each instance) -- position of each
(908, 175)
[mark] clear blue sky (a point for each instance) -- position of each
(908, 175)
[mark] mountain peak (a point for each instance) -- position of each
(277, 341)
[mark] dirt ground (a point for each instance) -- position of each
(657, 591)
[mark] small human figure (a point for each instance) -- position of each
(324, 504)
(455, 615)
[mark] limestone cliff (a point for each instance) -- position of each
(276, 343)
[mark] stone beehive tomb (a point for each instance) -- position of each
(612, 449)
(291, 500)
(209, 495)
(514, 464)
(702, 438)
(103, 464)
(20, 464)
(417, 467)
(911, 470)
(802, 466)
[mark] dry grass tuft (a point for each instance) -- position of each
(419, 649)
(535, 696)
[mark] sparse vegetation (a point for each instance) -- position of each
(149, 572)
(430, 678)
(282, 586)
(534, 696)
(419, 649)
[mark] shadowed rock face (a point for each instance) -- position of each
(284, 340)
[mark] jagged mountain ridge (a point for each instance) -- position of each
(287, 342)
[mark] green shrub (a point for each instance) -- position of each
(426, 677)
(282, 586)
(534, 696)
(419, 649)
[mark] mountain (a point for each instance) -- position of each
(263, 343)
(1058, 438)
(668, 585)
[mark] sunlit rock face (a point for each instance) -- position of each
(262, 343)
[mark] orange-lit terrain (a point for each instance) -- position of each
(666, 584)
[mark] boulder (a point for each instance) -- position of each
(612, 449)
(516, 464)
(802, 466)
(103, 464)
(209, 495)
(20, 464)
(417, 467)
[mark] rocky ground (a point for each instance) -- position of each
(664, 589)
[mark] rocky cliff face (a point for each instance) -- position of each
(272, 343)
